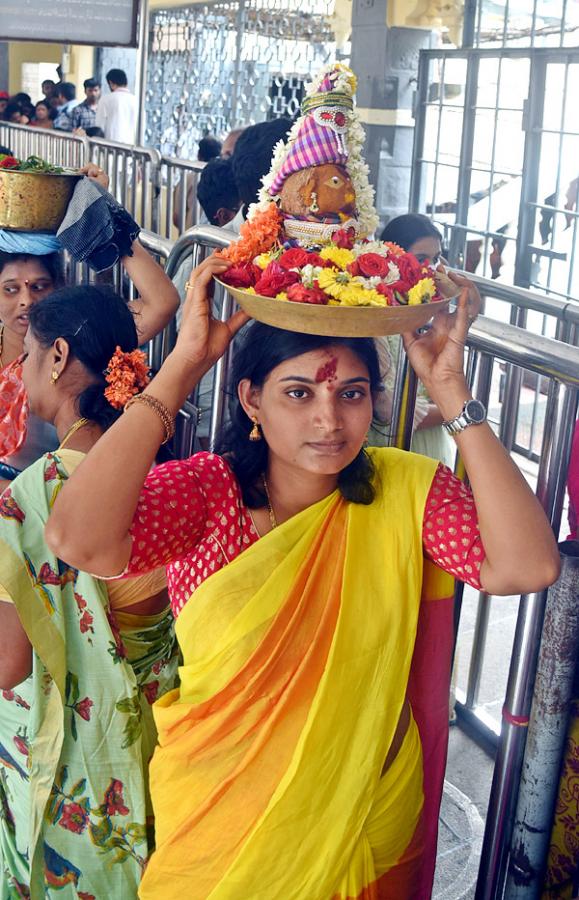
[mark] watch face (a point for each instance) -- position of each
(475, 411)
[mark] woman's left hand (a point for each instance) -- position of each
(437, 355)
(95, 173)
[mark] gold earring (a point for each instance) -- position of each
(54, 377)
(255, 433)
(313, 207)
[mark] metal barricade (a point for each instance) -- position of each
(179, 207)
(134, 178)
(57, 147)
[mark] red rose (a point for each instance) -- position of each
(301, 294)
(372, 265)
(9, 162)
(295, 258)
(74, 818)
(387, 292)
(411, 271)
(83, 708)
(314, 259)
(344, 238)
(274, 279)
(114, 800)
(242, 276)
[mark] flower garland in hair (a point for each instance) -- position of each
(126, 375)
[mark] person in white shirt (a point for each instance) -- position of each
(117, 112)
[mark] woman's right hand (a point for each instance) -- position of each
(202, 339)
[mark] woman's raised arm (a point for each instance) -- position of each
(520, 548)
(90, 523)
(158, 299)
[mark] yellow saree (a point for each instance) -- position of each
(268, 779)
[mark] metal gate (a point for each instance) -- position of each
(496, 161)
(230, 63)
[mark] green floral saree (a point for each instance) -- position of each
(76, 736)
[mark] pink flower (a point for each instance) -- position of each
(114, 801)
(74, 818)
(83, 708)
(301, 294)
(344, 238)
(274, 280)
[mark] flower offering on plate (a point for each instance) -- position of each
(305, 244)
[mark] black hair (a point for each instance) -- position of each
(50, 261)
(217, 188)
(93, 320)
(94, 131)
(405, 230)
(42, 103)
(117, 77)
(67, 90)
(262, 348)
(91, 83)
(48, 81)
(252, 155)
(209, 148)
(23, 98)
(13, 106)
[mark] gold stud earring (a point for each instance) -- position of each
(54, 377)
(313, 207)
(255, 433)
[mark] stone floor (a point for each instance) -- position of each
(462, 815)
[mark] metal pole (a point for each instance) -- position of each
(240, 26)
(522, 670)
(141, 85)
(547, 732)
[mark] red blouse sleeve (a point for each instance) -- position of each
(175, 509)
(450, 532)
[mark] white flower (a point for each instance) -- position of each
(393, 274)
(309, 274)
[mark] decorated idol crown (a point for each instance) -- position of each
(308, 239)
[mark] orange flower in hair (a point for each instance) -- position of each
(126, 374)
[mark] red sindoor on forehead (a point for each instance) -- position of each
(327, 372)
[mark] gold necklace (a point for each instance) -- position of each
(272, 518)
(73, 428)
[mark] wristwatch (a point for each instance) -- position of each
(472, 413)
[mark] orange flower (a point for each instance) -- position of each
(258, 235)
(126, 374)
(394, 249)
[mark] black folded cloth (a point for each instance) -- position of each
(96, 228)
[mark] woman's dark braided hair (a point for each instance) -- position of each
(93, 320)
(261, 349)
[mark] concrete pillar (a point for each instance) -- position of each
(4, 73)
(385, 60)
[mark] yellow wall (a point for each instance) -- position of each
(28, 52)
(81, 62)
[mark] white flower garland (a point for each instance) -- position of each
(344, 82)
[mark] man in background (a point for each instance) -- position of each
(84, 115)
(117, 112)
(66, 93)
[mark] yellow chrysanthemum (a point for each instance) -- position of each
(281, 296)
(340, 256)
(250, 290)
(423, 292)
(341, 287)
(263, 260)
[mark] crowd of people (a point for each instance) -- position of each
(227, 675)
(112, 115)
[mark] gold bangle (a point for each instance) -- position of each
(159, 408)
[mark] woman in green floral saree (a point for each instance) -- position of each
(80, 665)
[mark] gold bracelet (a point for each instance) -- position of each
(159, 408)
